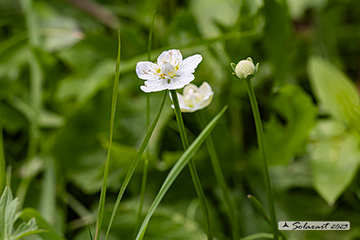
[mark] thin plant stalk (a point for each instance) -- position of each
(134, 164)
(2, 157)
(107, 164)
(147, 158)
(260, 136)
(221, 180)
(192, 166)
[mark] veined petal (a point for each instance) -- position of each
(147, 70)
(173, 57)
(180, 82)
(154, 86)
(189, 64)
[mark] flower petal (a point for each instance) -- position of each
(154, 86)
(206, 101)
(205, 89)
(180, 82)
(189, 64)
(173, 57)
(147, 70)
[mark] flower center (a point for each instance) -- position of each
(168, 70)
(193, 97)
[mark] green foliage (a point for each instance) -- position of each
(8, 217)
(57, 63)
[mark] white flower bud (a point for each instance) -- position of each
(246, 68)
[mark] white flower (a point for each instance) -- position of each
(246, 68)
(195, 98)
(169, 72)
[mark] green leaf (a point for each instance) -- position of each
(26, 229)
(335, 91)
(175, 171)
(210, 12)
(283, 141)
(8, 207)
(51, 234)
(7, 213)
(334, 160)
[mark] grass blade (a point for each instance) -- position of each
(107, 165)
(192, 166)
(178, 167)
(257, 205)
(147, 159)
(221, 180)
(135, 163)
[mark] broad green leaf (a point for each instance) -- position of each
(334, 160)
(208, 12)
(175, 171)
(51, 234)
(57, 32)
(26, 229)
(8, 207)
(335, 91)
(283, 141)
(7, 213)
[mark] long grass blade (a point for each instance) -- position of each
(107, 165)
(134, 164)
(221, 180)
(257, 205)
(192, 166)
(147, 159)
(178, 167)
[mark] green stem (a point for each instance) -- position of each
(192, 166)
(134, 164)
(221, 180)
(260, 136)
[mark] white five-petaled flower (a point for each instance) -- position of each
(195, 98)
(169, 72)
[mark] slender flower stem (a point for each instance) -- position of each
(260, 136)
(192, 166)
(221, 180)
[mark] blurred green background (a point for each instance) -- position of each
(57, 62)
